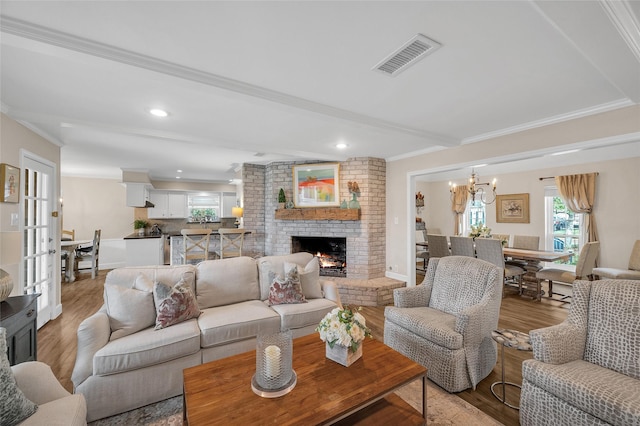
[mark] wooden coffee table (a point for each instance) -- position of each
(326, 392)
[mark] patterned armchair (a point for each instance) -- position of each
(586, 370)
(445, 323)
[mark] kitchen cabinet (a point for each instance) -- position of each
(137, 194)
(19, 315)
(168, 205)
(144, 251)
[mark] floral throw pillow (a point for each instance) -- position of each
(286, 291)
(14, 406)
(174, 304)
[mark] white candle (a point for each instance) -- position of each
(272, 361)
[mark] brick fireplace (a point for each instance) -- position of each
(365, 238)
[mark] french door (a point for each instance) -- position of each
(39, 242)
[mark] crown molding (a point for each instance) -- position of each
(622, 103)
(90, 47)
(625, 22)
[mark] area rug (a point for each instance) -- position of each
(443, 408)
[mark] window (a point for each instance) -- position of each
(474, 214)
(564, 228)
(204, 206)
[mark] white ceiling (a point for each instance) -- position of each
(275, 81)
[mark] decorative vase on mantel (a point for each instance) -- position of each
(342, 354)
(354, 203)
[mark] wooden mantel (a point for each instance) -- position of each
(319, 213)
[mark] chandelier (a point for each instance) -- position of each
(476, 189)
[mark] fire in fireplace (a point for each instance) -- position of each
(330, 251)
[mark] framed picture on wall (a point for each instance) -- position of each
(316, 185)
(512, 208)
(10, 183)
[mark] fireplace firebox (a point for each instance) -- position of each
(330, 251)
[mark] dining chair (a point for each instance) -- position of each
(89, 253)
(422, 252)
(195, 243)
(462, 246)
(526, 242)
(490, 250)
(66, 235)
(584, 268)
(231, 242)
(438, 245)
(633, 271)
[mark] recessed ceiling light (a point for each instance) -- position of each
(341, 145)
(158, 112)
(177, 177)
(179, 171)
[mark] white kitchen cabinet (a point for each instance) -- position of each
(168, 205)
(137, 194)
(144, 251)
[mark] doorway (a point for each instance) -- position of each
(39, 233)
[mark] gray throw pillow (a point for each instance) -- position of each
(14, 406)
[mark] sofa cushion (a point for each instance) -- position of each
(275, 264)
(147, 347)
(162, 273)
(226, 281)
(174, 304)
(14, 406)
(309, 275)
(432, 324)
(225, 324)
(287, 290)
(603, 393)
(303, 315)
(129, 309)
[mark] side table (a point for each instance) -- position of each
(19, 315)
(513, 339)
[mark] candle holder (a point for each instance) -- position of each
(274, 372)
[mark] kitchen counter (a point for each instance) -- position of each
(136, 236)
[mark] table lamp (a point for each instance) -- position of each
(237, 213)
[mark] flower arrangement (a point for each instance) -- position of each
(345, 327)
(479, 230)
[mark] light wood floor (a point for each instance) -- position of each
(57, 340)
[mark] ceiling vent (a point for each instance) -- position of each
(408, 54)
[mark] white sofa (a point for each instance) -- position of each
(117, 375)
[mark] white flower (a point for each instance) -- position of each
(344, 327)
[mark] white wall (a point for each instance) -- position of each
(618, 185)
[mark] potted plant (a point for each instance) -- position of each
(140, 225)
(282, 199)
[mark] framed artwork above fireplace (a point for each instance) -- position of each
(316, 185)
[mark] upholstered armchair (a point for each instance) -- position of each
(446, 322)
(586, 370)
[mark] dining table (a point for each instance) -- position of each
(70, 247)
(533, 260)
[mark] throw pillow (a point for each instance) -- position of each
(174, 304)
(286, 291)
(14, 406)
(309, 278)
(129, 310)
